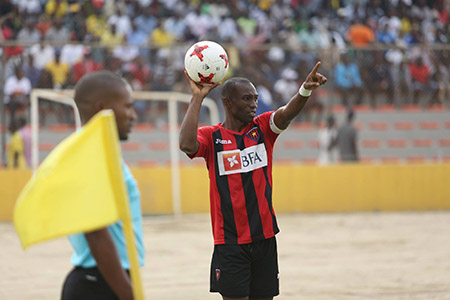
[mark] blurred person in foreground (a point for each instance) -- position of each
(101, 266)
(347, 140)
(238, 153)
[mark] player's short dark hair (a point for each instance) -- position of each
(229, 86)
(94, 84)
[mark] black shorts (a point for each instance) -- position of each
(86, 284)
(239, 271)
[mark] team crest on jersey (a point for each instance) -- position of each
(217, 274)
(253, 134)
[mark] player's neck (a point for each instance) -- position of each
(233, 124)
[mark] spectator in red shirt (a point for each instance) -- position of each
(421, 79)
(140, 71)
(13, 50)
(86, 65)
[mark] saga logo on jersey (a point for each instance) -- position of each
(237, 161)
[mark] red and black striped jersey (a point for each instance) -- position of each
(240, 174)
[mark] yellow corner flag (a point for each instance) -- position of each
(79, 187)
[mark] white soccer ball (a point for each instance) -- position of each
(206, 62)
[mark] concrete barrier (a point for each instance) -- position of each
(297, 188)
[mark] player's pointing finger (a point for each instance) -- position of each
(314, 71)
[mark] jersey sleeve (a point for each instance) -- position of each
(267, 126)
(203, 138)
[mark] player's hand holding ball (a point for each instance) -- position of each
(206, 63)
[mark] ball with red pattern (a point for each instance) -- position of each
(206, 62)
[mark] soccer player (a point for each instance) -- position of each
(100, 257)
(238, 153)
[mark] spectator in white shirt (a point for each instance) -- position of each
(122, 22)
(287, 85)
(198, 23)
(17, 90)
(29, 6)
(227, 29)
(72, 52)
(57, 33)
(29, 34)
(43, 53)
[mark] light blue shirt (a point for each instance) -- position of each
(347, 76)
(146, 23)
(82, 256)
(137, 38)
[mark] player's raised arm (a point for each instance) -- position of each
(188, 132)
(285, 114)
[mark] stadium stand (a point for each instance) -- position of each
(396, 106)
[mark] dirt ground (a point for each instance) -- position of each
(322, 256)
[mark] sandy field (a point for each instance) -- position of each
(322, 256)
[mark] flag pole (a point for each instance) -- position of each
(132, 256)
(124, 208)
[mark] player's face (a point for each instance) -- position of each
(124, 111)
(245, 102)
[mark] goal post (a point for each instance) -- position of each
(172, 98)
(63, 97)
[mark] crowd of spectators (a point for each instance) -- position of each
(373, 51)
